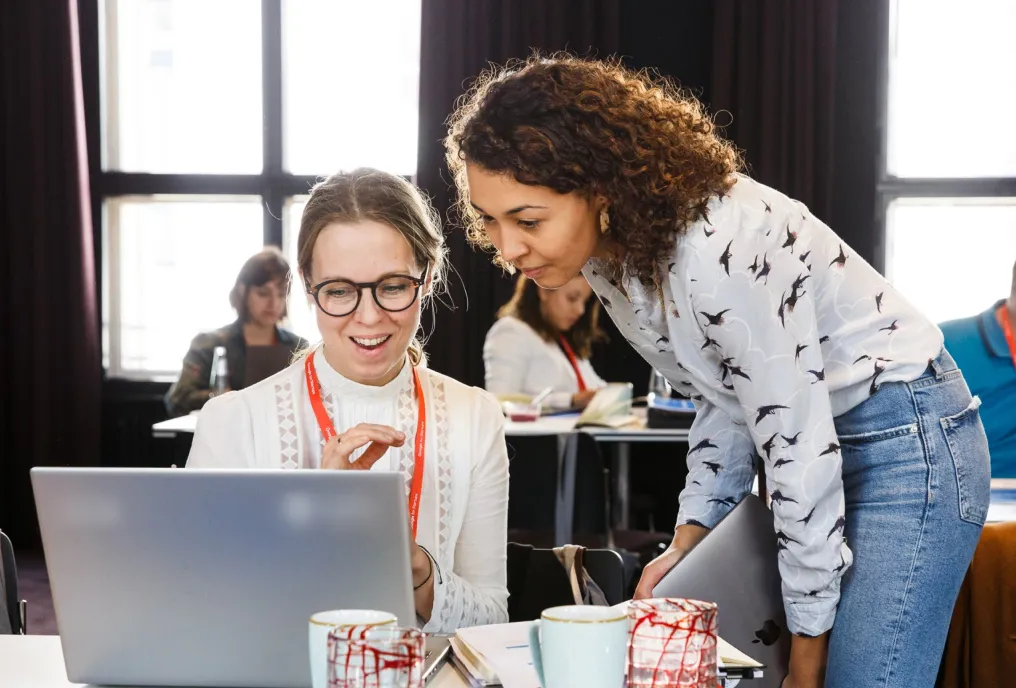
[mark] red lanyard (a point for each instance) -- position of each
(1002, 314)
(419, 444)
(574, 363)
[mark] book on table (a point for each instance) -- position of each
(498, 655)
(610, 407)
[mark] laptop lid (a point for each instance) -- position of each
(207, 577)
(736, 567)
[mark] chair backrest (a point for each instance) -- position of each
(606, 568)
(538, 581)
(10, 604)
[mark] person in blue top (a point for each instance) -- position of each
(987, 356)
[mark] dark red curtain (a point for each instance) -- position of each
(459, 39)
(774, 71)
(50, 361)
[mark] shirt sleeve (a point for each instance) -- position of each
(475, 592)
(191, 391)
(768, 348)
(224, 437)
(721, 466)
(504, 359)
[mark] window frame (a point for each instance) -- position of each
(274, 185)
(890, 187)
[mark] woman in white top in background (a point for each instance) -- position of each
(543, 338)
(370, 251)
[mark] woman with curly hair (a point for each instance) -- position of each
(794, 349)
(544, 338)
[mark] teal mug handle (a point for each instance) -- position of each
(535, 652)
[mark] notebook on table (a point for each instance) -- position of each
(498, 655)
(610, 407)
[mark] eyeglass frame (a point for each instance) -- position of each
(360, 286)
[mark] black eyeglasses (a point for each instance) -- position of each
(394, 293)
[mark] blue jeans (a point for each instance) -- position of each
(916, 476)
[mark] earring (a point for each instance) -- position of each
(604, 221)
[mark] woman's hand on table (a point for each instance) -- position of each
(379, 438)
(580, 400)
(685, 537)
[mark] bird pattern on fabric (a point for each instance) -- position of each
(785, 329)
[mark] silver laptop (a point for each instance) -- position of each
(208, 577)
(735, 566)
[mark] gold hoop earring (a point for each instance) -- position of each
(604, 221)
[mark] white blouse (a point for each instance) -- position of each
(464, 504)
(773, 327)
(517, 360)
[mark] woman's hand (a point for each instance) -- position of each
(338, 449)
(421, 565)
(580, 400)
(792, 682)
(685, 537)
(423, 580)
(807, 662)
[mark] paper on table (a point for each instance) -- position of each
(729, 656)
(505, 647)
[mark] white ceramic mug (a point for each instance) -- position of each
(354, 623)
(580, 647)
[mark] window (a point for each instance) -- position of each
(949, 181)
(216, 118)
(301, 311)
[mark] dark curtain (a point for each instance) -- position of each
(50, 361)
(774, 71)
(459, 39)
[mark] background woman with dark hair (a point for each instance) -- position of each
(259, 299)
(544, 339)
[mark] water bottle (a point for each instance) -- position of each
(219, 381)
(659, 388)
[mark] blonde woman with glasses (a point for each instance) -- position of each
(371, 252)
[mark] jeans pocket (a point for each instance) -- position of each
(968, 446)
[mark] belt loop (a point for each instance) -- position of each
(936, 366)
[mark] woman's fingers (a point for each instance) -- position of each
(332, 457)
(370, 456)
(337, 451)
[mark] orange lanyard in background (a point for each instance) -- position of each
(574, 363)
(1002, 315)
(419, 445)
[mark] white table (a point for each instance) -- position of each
(169, 429)
(1003, 500)
(36, 661)
(561, 427)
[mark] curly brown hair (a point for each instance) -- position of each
(525, 305)
(600, 129)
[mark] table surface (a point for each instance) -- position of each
(36, 661)
(545, 426)
(548, 425)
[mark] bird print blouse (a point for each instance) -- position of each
(773, 327)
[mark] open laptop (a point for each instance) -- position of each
(735, 566)
(262, 362)
(208, 577)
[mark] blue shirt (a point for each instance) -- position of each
(979, 347)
